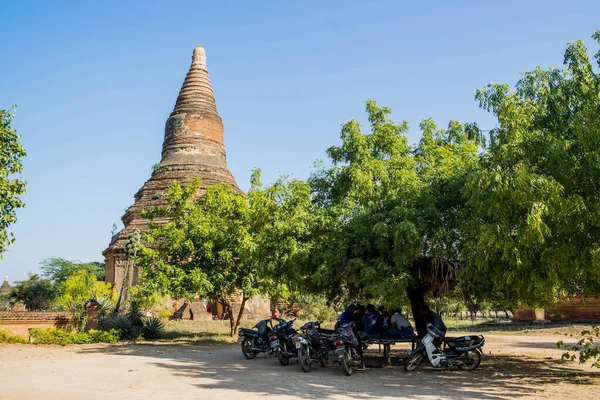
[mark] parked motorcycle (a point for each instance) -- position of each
(281, 342)
(254, 342)
(464, 352)
(349, 349)
(313, 345)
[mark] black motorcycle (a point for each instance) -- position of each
(349, 349)
(463, 352)
(254, 341)
(281, 342)
(313, 345)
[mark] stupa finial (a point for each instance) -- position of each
(199, 55)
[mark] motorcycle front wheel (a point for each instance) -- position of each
(347, 363)
(246, 348)
(303, 359)
(413, 361)
(282, 355)
(471, 360)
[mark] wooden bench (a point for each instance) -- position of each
(387, 343)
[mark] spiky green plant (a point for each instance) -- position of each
(135, 315)
(122, 324)
(153, 328)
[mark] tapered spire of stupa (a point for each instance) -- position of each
(196, 94)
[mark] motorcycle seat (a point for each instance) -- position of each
(248, 332)
(465, 341)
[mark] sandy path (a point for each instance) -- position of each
(221, 372)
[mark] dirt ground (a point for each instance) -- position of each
(515, 366)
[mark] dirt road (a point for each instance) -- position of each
(514, 367)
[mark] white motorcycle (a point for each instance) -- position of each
(464, 352)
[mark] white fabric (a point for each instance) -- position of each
(400, 321)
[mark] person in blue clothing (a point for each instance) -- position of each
(434, 319)
(371, 324)
(348, 314)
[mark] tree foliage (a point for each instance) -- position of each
(223, 244)
(11, 188)
(534, 230)
(382, 205)
(58, 270)
(80, 287)
(37, 294)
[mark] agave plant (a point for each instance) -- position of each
(153, 328)
(135, 315)
(106, 306)
(122, 324)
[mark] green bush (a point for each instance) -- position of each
(153, 328)
(6, 337)
(61, 337)
(315, 308)
(586, 346)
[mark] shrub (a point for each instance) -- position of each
(6, 337)
(315, 308)
(587, 347)
(61, 337)
(103, 336)
(153, 328)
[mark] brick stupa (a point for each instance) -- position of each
(193, 148)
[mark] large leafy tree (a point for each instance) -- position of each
(366, 228)
(36, 293)
(535, 224)
(383, 210)
(224, 244)
(11, 187)
(58, 270)
(80, 287)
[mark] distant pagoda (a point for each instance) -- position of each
(193, 148)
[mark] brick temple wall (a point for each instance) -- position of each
(578, 308)
(19, 322)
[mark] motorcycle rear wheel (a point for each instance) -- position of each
(246, 346)
(324, 358)
(413, 362)
(347, 363)
(471, 361)
(282, 355)
(303, 359)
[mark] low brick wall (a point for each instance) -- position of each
(576, 309)
(19, 322)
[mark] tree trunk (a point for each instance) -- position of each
(239, 317)
(231, 320)
(125, 281)
(339, 304)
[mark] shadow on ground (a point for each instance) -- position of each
(223, 367)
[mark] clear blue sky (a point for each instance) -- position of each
(96, 81)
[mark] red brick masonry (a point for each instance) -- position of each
(19, 322)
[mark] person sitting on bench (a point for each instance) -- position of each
(401, 328)
(371, 324)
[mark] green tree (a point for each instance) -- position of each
(534, 227)
(365, 227)
(36, 293)
(80, 287)
(224, 244)
(383, 210)
(58, 270)
(11, 188)
(6, 304)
